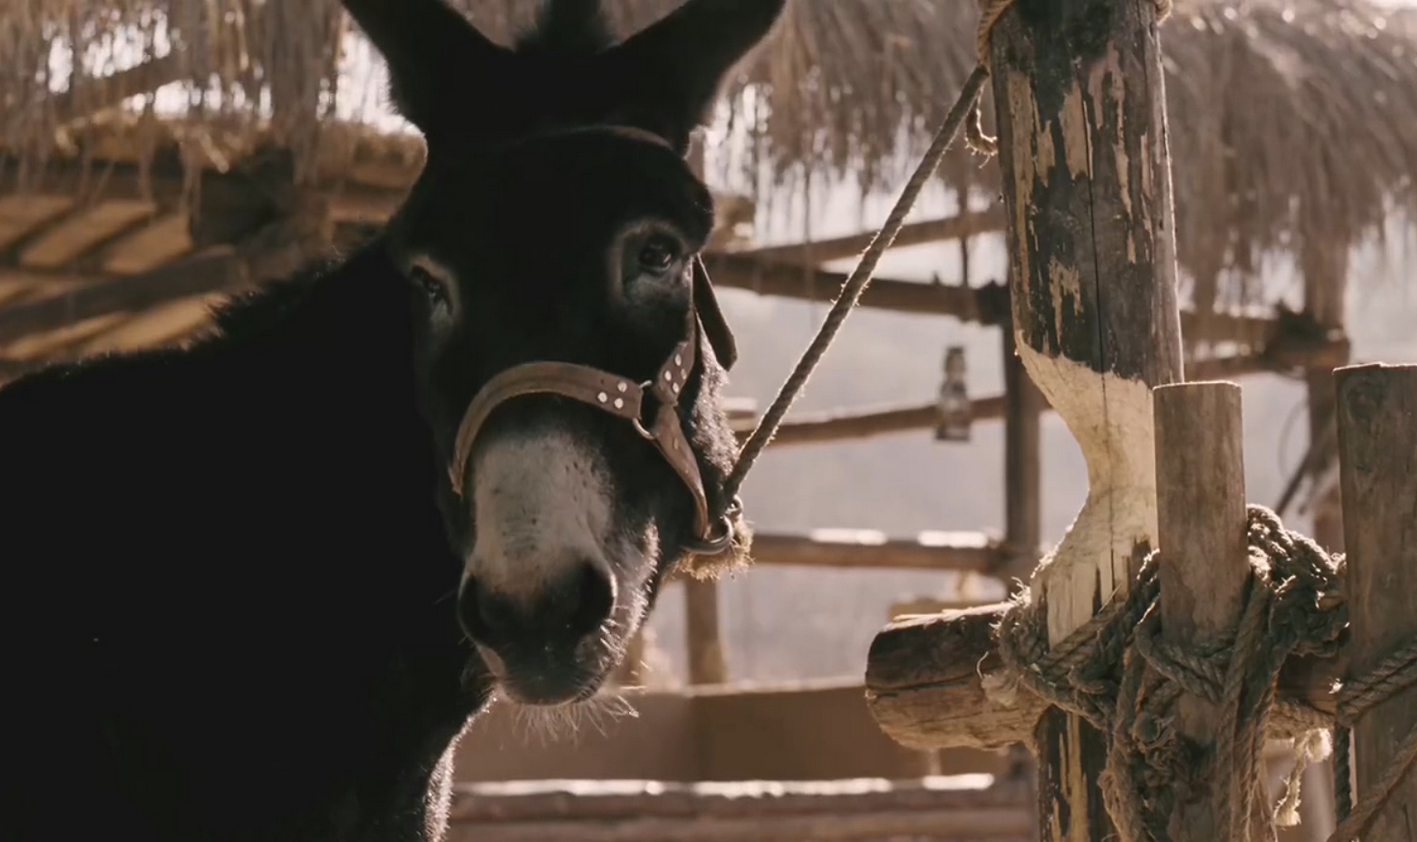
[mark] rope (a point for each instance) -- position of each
(1122, 676)
(966, 106)
(856, 284)
(1356, 697)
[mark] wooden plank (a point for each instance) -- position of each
(21, 215)
(1377, 435)
(1081, 116)
(912, 234)
(943, 808)
(144, 250)
(84, 231)
(216, 270)
(974, 552)
(1200, 493)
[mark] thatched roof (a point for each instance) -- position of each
(1293, 122)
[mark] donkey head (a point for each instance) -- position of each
(569, 355)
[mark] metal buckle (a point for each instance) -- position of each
(636, 422)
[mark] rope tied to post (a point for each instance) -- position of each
(1119, 674)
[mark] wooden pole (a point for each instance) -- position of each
(1080, 107)
(1325, 286)
(1200, 500)
(702, 635)
(1023, 468)
(1377, 435)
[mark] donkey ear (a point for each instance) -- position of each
(676, 65)
(430, 49)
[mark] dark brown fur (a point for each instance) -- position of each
(230, 587)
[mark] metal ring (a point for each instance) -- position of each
(715, 546)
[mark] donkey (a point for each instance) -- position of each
(255, 588)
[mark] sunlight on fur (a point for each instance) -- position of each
(549, 724)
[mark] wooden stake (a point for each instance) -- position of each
(1377, 439)
(1200, 499)
(1080, 108)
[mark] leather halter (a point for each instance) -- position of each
(625, 399)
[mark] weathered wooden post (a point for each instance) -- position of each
(1200, 498)
(1377, 439)
(1080, 108)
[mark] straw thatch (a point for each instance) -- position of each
(1293, 122)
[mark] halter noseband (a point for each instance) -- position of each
(624, 399)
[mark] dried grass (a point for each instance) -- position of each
(1293, 122)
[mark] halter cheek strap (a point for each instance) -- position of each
(622, 398)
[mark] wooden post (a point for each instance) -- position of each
(1377, 439)
(1023, 471)
(1080, 107)
(707, 665)
(1325, 286)
(1200, 500)
(702, 634)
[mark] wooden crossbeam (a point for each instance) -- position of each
(837, 425)
(92, 95)
(913, 234)
(975, 552)
(968, 304)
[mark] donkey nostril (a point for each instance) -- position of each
(480, 611)
(595, 599)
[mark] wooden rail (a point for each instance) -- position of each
(952, 808)
(975, 552)
(823, 427)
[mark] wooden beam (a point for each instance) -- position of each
(1081, 116)
(944, 808)
(974, 552)
(913, 234)
(1204, 574)
(216, 270)
(1377, 434)
(985, 304)
(926, 679)
(94, 94)
(275, 251)
(837, 425)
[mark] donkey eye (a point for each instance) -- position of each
(435, 289)
(658, 254)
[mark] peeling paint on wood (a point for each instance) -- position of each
(1096, 323)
